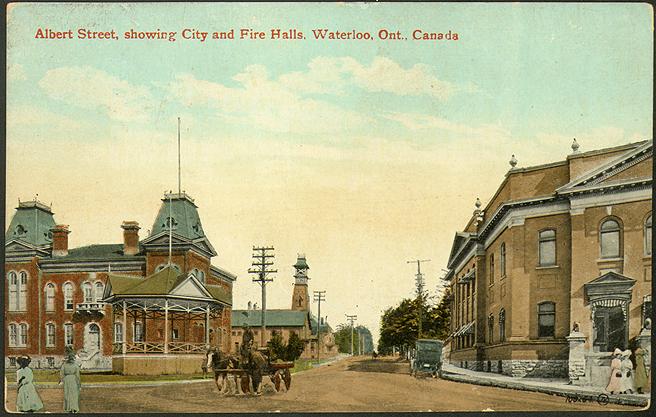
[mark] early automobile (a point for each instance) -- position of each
(427, 358)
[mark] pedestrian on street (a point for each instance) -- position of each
(70, 376)
(626, 383)
(615, 373)
(27, 399)
(641, 379)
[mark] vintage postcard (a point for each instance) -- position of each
(328, 207)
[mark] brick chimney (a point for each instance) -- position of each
(130, 237)
(60, 240)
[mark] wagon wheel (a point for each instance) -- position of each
(287, 377)
(245, 383)
(276, 380)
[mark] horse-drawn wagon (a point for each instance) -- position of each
(248, 368)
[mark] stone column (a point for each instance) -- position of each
(644, 341)
(576, 362)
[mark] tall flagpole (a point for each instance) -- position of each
(170, 227)
(179, 180)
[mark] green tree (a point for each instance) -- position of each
(289, 351)
(277, 347)
(400, 325)
(343, 339)
(295, 347)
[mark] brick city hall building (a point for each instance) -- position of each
(555, 272)
(150, 305)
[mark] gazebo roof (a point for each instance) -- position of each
(167, 282)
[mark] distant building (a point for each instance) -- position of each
(555, 272)
(55, 295)
(298, 319)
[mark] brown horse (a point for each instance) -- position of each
(218, 360)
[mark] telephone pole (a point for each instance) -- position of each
(319, 296)
(351, 318)
(262, 260)
(419, 282)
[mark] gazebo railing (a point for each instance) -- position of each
(152, 347)
(185, 347)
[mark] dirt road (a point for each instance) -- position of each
(349, 385)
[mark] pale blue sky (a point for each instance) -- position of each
(365, 149)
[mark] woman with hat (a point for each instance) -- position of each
(614, 385)
(70, 376)
(641, 378)
(626, 384)
(27, 399)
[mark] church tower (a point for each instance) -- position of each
(300, 296)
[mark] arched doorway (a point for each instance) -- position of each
(92, 338)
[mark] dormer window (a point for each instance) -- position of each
(20, 230)
(170, 223)
(47, 235)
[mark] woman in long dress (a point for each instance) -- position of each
(626, 383)
(615, 373)
(641, 379)
(70, 376)
(27, 399)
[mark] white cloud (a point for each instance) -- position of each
(30, 116)
(336, 75)
(16, 72)
(416, 121)
(95, 89)
(265, 103)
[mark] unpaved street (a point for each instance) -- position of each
(350, 385)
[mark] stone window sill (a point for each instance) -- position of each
(547, 267)
(603, 260)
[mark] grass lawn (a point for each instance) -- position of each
(305, 364)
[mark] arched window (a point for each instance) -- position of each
(13, 291)
(546, 319)
(118, 332)
(68, 296)
(50, 335)
(610, 239)
(648, 236)
(23, 334)
(547, 247)
(491, 268)
(502, 325)
(22, 292)
(50, 297)
(13, 335)
(68, 334)
(88, 292)
(201, 276)
(502, 261)
(100, 289)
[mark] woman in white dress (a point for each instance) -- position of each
(626, 383)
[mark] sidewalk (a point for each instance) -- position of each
(552, 386)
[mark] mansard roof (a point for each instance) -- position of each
(31, 224)
(186, 221)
